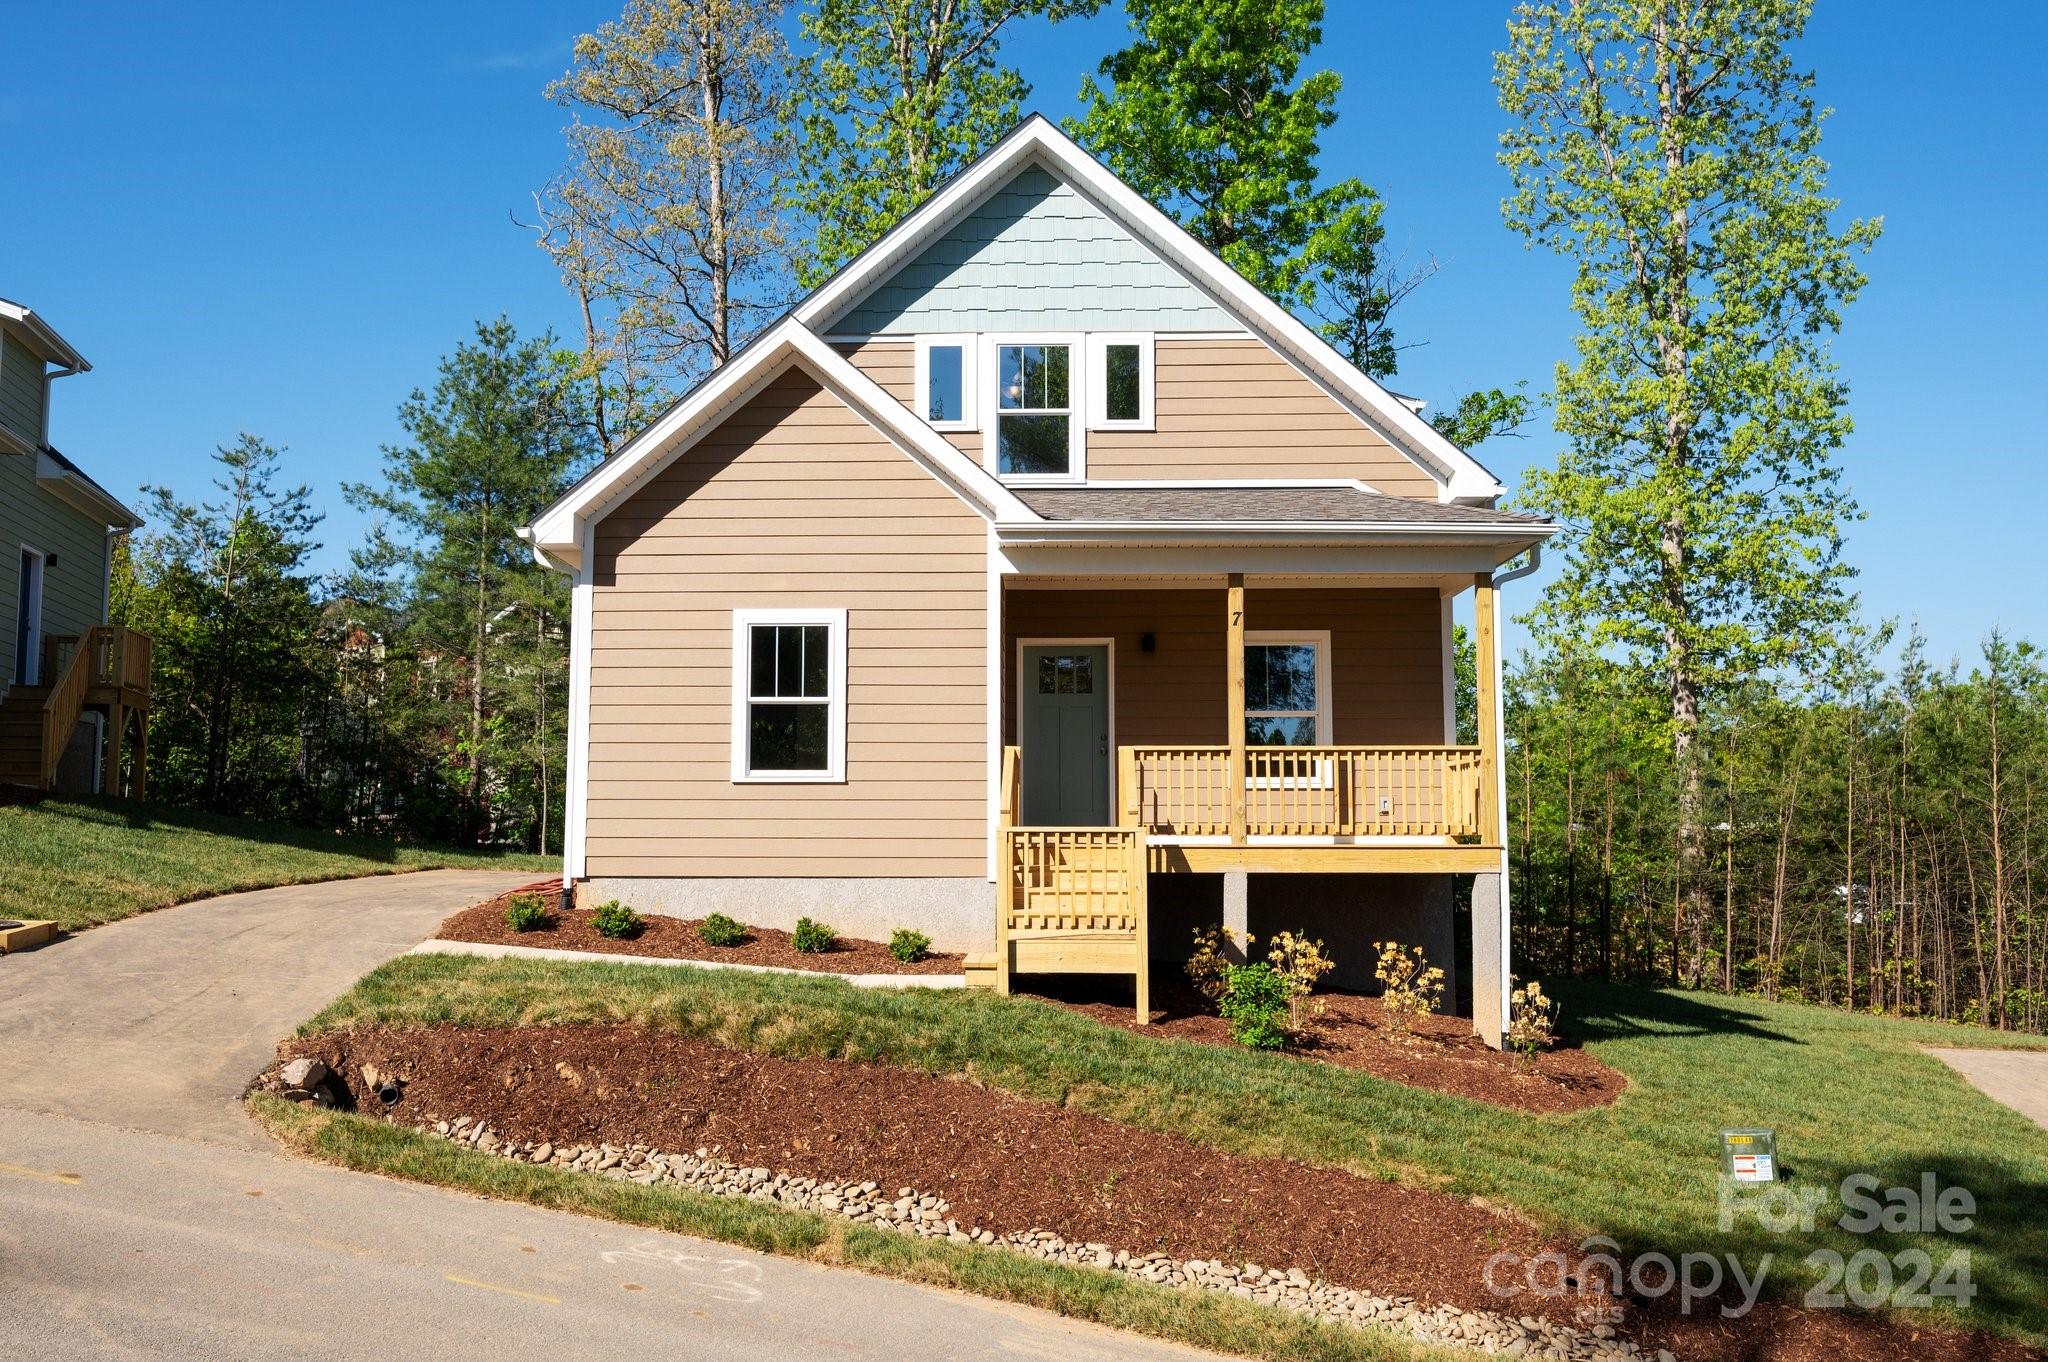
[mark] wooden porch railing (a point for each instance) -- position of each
(1416, 791)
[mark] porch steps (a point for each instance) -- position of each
(21, 736)
(981, 970)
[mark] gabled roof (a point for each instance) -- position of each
(1460, 477)
(558, 531)
(40, 336)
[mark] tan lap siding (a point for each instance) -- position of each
(1385, 645)
(793, 501)
(1223, 409)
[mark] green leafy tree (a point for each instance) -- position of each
(220, 587)
(665, 221)
(900, 94)
(1671, 152)
(503, 431)
(1203, 114)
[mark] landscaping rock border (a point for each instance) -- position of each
(909, 1212)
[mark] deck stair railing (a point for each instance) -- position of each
(1068, 900)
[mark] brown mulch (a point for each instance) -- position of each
(677, 938)
(1007, 1163)
(1353, 1032)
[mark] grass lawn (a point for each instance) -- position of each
(84, 862)
(1846, 1093)
(1204, 1319)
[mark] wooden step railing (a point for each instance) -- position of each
(109, 658)
(1068, 900)
(1417, 791)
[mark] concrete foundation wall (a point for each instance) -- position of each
(957, 914)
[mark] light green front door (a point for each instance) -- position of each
(1064, 735)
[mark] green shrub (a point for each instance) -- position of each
(617, 921)
(526, 912)
(1254, 1002)
(720, 930)
(908, 946)
(813, 938)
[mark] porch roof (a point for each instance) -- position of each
(1323, 506)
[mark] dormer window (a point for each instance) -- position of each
(1035, 431)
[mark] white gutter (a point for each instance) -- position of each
(1284, 531)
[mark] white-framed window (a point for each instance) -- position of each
(944, 381)
(789, 696)
(1033, 420)
(1287, 689)
(1119, 381)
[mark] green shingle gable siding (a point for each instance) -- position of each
(21, 391)
(1034, 256)
(75, 589)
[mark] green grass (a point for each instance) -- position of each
(1846, 1093)
(1204, 1319)
(84, 862)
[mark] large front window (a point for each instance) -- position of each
(1034, 410)
(1286, 690)
(789, 695)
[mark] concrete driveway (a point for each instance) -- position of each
(143, 1215)
(2018, 1078)
(159, 1021)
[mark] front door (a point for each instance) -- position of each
(1063, 731)
(28, 619)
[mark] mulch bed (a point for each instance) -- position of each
(677, 938)
(1006, 1163)
(1441, 1054)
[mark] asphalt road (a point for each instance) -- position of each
(143, 1215)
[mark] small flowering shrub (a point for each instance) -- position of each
(616, 921)
(1412, 987)
(1302, 964)
(526, 912)
(1209, 966)
(1532, 1020)
(1254, 1002)
(908, 946)
(813, 938)
(720, 930)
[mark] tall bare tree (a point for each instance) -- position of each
(664, 222)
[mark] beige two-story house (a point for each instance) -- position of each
(1039, 584)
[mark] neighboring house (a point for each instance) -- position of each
(69, 685)
(1039, 584)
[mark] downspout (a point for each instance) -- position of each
(1516, 574)
(567, 897)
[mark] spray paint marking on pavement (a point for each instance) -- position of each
(68, 1179)
(727, 1279)
(506, 1290)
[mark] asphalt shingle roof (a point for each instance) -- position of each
(1257, 505)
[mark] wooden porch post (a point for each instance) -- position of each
(110, 749)
(1234, 643)
(1486, 646)
(141, 755)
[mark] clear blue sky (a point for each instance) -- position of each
(263, 219)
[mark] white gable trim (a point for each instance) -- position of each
(1459, 476)
(557, 531)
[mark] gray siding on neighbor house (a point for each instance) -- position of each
(74, 591)
(1034, 256)
(21, 391)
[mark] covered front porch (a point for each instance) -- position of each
(1241, 727)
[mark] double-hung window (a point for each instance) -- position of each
(789, 695)
(1287, 689)
(1035, 428)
